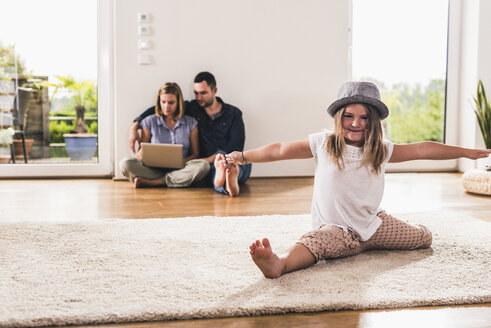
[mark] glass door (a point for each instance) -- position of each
(402, 47)
(54, 97)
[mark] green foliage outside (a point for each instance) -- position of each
(58, 128)
(82, 98)
(57, 152)
(92, 128)
(7, 59)
(70, 113)
(416, 112)
(81, 93)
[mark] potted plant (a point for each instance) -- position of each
(79, 144)
(478, 181)
(6, 138)
(19, 148)
(483, 114)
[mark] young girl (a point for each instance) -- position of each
(348, 184)
(168, 125)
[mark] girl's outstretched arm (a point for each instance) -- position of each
(434, 150)
(272, 152)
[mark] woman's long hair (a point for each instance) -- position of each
(374, 150)
(170, 88)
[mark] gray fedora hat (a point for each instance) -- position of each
(359, 93)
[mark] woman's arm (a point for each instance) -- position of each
(134, 136)
(194, 149)
(273, 152)
(146, 135)
(434, 150)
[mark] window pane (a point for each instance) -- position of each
(50, 47)
(401, 45)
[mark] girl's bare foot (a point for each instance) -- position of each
(232, 183)
(220, 170)
(267, 261)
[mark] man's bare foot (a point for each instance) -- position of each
(267, 261)
(137, 182)
(220, 170)
(232, 184)
(141, 182)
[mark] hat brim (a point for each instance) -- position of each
(340, 103)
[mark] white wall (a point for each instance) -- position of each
(280, 61)
(484, 62)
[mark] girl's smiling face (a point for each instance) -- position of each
(354, 121)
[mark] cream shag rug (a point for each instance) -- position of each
(116, 270)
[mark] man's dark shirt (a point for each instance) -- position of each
(225, 133)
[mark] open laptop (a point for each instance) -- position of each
(167, 156)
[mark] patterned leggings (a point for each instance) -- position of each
(330, 241)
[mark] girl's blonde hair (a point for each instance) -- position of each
(374, 150)
(174, 89)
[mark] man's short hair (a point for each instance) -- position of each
(208, 77)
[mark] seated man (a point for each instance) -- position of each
(221, 131)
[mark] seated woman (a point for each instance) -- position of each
(168, 125)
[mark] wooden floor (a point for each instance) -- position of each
(75, 199)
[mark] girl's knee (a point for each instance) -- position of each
(311, 242)
(330, 242)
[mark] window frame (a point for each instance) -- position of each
(451, 94)
(104, 167)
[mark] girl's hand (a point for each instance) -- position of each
(477, 153)
(235, 157)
